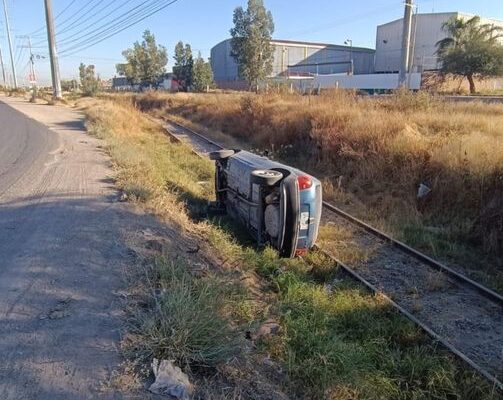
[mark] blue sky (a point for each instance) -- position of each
(203, 23)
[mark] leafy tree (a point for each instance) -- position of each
(145, 62)
(69, 85)
(251, 41)
(184, 63)
(202, 77)
(471, 50)
(88, 80)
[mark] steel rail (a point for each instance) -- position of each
(487, 375)
(408, 250)
(492, 295)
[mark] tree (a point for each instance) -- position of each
(145, 62)
(88, 80)
(69, 85)
(184, 63)
(471, 50)
(202, 77)
(251, 41)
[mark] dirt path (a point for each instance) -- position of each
(63, 245)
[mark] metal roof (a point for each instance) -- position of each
(313, 44)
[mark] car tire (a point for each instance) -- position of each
(266, 177)
(221, 154)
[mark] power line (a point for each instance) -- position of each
(42, 28)
(341, 21)
(76, 14)
(106, 24)
(87, 44)
(20, 54)
(106, 27)
(71, 19)
(82, 22)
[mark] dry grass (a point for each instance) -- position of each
(340, 241)
(336, 339)
(376, 152)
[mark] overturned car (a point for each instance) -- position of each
(278, 204)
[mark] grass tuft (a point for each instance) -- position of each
(185, 320)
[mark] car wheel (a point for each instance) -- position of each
(266, 177)
(221, 154)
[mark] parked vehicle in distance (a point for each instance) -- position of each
(278, 204)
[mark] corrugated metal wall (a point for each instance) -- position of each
(297, 59)
(427, 33)
(223, 64)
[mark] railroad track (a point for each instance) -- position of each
(461, 314)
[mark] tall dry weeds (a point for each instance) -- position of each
(383, 148)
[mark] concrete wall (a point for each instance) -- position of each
(365, 82)
(428, 28)
(296, 58)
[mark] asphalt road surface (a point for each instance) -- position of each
(63, 246)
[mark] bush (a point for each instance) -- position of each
(186, 321)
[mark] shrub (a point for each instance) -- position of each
(186, 321)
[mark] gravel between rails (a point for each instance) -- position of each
(455, 311)
(458, 313)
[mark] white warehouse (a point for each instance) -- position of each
(426, 32)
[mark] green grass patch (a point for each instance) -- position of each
(185, 319)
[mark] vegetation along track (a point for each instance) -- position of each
(456, 311)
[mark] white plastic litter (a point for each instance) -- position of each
(170, 380)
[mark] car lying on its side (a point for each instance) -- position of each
(278, 204)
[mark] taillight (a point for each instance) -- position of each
(305, 182)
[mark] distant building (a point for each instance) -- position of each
(426, 32)
(121, 84)
(296, 59)
(166, 82)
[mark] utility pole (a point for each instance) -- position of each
(407, 27)
(7, 26)
(3, 69)
(51, 37)
(32, 64)
(33, 76)
(351, 62)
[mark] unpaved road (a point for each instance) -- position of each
(63, 246)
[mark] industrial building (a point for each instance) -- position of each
(426, 32)
(297, 59)
(328, 65)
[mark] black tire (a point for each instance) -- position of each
(266, 177)
(221, 154)
(290, 212)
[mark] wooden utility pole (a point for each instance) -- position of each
(407, 28)
(53, 54)
(7, 26)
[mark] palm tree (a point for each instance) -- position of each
(471, 49)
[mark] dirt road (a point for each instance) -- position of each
(63, 246)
